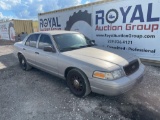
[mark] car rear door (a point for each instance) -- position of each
(46, 60)
(29, 49)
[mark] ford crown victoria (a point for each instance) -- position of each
(85, 66)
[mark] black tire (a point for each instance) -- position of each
(78, 83)
(23, 63)
(79, 16)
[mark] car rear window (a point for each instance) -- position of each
(32, 40)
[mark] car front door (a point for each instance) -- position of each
(46, 60)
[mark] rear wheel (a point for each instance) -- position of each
(23, 63)
(78, 83)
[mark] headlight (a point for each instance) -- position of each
(108, 75)
(117, 73)
(102, 75)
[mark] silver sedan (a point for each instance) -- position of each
(85, 66)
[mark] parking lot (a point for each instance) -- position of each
(37, 95)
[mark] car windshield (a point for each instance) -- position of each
(71, 41)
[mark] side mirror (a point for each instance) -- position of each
(92, 42)
(49, 49)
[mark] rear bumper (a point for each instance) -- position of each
(118, 86)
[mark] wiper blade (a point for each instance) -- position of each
(68, 49)
(73, 48)
(87, 46)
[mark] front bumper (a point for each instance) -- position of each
(118, 86)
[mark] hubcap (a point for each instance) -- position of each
(76, 83)
(23, 62)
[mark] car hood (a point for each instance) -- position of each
(98, 55)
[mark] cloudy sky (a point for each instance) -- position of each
(28, 9)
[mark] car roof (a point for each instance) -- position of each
(55, 32)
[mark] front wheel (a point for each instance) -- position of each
(78, 83)
(23, 63)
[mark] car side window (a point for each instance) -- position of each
(32, 40)
(44, 41)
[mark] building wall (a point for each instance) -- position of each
(35, 26)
